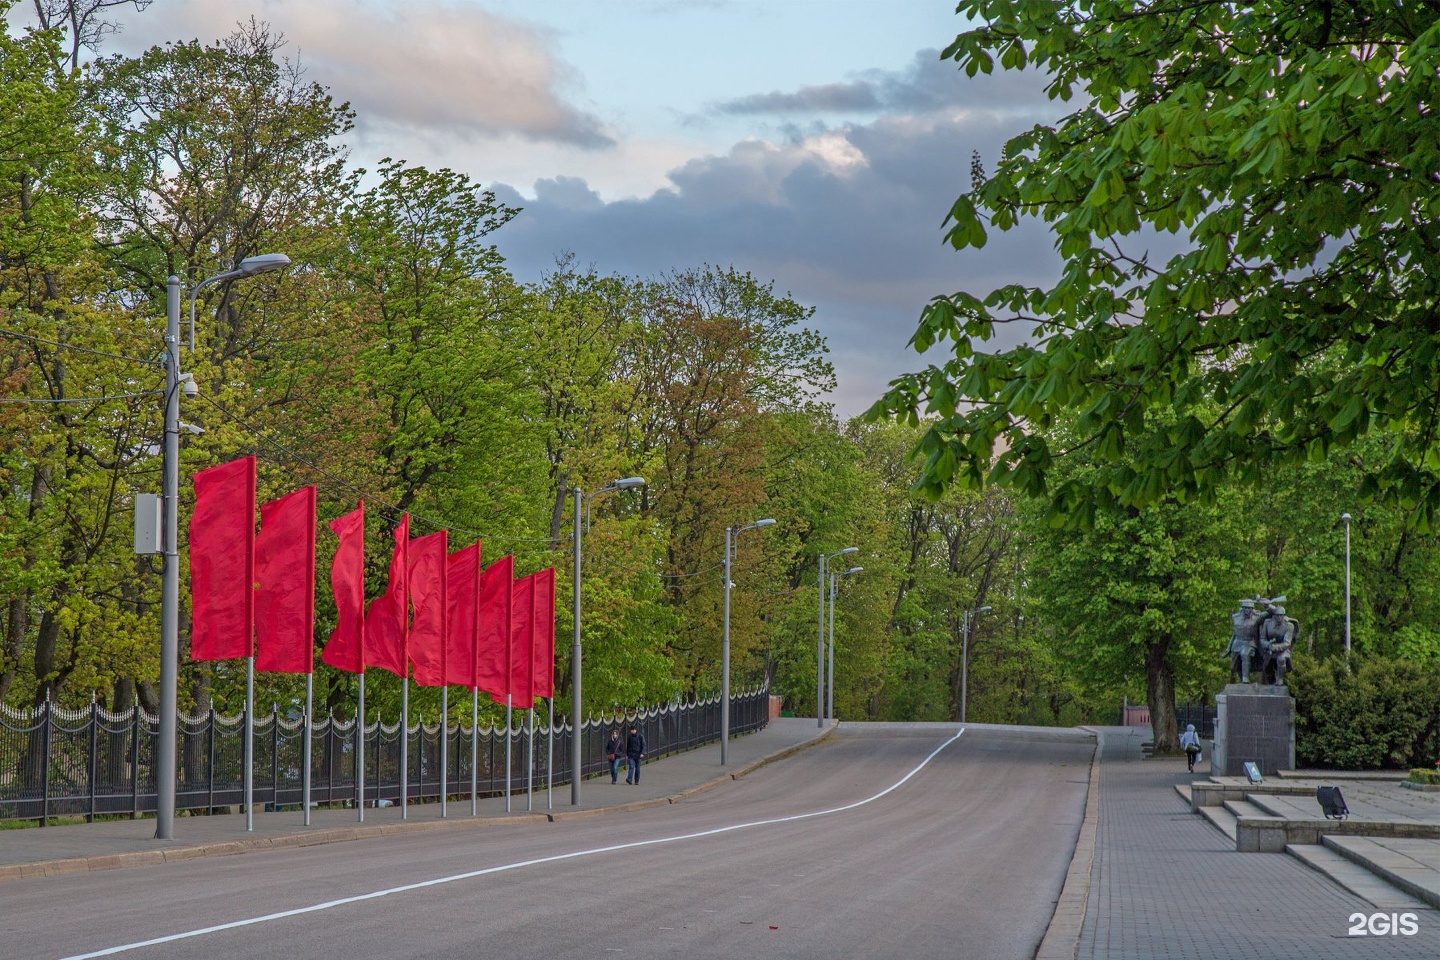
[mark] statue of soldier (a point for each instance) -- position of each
(1277, 637)
(1244, 639)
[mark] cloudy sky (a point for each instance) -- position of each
(815, 143)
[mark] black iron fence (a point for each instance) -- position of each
(59, 762)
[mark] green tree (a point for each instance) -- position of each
(1293, 151)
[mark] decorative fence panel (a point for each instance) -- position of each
(58, 762)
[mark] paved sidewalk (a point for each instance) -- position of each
(80, 848)
(1164, 883)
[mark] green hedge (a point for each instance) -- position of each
(1424, 775)
(1379, 715)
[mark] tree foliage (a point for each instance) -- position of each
(1292, 153)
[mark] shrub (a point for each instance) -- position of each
(1379, 715)
(1424, 775)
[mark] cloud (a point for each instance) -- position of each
(433, 67)
(928, 84)
(848, 220)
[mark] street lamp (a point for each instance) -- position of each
(1346, 518)
(170, 584)
(576, 712)
(820, 641)
(730, 534)
(830, 685)
(970, 616)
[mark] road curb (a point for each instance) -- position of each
(1062, 936)
(227, 848)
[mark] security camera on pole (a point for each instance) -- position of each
(175, 384)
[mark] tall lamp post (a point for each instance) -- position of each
(165, 765)
(970, 616)
(830, 669)
(576, 711)
(1346, 518)
(820, 641)
(730, 534)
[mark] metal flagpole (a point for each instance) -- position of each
(405, 745)
(309, 736)
(508, 750)
(444, 745)
(474, 747)
(360, 750)
(550, 762)
(530, 764)
(249, 743)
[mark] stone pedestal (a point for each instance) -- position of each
(1253, 722)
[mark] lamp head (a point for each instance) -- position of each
(625, 483)
(767, 522)
(263, 263)
(852, 570)
(983, 610)
(847, 551)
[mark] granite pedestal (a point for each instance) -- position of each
(1255, 723)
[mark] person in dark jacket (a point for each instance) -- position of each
(615, 753)
(634, 752)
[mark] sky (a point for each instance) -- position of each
(816, 144)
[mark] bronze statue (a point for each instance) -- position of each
(1277, 638)
(1244, 640)
(1261, 638)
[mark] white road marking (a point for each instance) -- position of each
(375, 895)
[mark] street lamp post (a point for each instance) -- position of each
(969, 618)
(820, 640)
(165, 764)
(730, 534)
(830, 669)
(1346, 518)
(576, 708)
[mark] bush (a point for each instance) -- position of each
(1424, 775)
(1379, 715)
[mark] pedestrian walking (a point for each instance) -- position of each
(634, 753)
(1190, 743)
(615, 753)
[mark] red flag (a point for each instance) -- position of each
(387, 622)
(345, 649)
(544, 679)
(222, 562)
(428, 594)
(492, 649)
(285, 585)
(522, 644)
(462, 582)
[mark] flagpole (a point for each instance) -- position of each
(474, 746)
(404, 744)
(249, 743)
(444, 746)
(309, 731)
(530, 764)
(360, 750)
(550, 762)
(508, 751)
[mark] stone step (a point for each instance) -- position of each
(1245, 808)
(1221, 819)
(1356, 878)
(1412, 865)
(1184, 790)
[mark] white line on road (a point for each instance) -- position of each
(375, 895)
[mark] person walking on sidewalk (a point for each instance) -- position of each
(1190, 743)
(615, 753)
(634, 753)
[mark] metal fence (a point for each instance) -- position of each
(59, 762)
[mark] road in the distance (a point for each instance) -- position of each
(965, 859)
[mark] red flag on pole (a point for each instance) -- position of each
(285, 585)
(522, 644)
(222, 562)
(544, 676)
(462, 586)
(387, 622)
(428, 594)
(492, 649)
(345, 649)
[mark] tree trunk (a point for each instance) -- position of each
(1160, 686)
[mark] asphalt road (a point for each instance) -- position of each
(874, 844)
